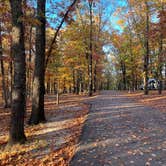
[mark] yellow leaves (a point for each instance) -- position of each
(30, 20)
(121, 23)
(50, 32)
(4, 7)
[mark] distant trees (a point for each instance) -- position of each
(70, 54)
(142, 44)
(158, 34)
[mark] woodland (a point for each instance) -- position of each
(55, 54)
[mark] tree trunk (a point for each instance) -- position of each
(57, 94)
(90, 86)
(37, 114)
(95, 78)
(77, 82)
(132, 62)
(29, 63)
(81, 82)
(160, 65)
(16, 134)
(146, 58)
(3, 73)
(123, 68)
(74, 82)
(10, 76)
(64, 85)
(165, 78)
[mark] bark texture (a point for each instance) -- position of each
(37, 114)
(3, 72)
(16, 134)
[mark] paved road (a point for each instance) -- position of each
(121, 132)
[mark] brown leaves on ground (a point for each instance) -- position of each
(153, 99)
(52, 143)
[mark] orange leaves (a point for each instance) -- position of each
(121, 23)
(44, 148)
(29, 20)
(153, 99)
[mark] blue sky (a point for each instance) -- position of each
(109, 5)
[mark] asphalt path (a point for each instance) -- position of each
(121, 132)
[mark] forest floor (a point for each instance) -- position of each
(51, 143)
(153, 99)
(123, 129)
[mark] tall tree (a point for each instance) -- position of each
(90, 68)
(146, 57)
(3, 72)
(37, 114)
(5, 51)
(160, 55)
(16, 134)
